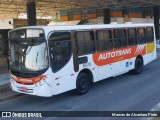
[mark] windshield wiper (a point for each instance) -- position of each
(31, 45)
(37, 57)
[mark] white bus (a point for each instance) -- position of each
(49, 60)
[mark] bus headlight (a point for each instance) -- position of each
(40, 83)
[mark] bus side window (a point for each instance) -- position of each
(149, 34)
(85, 42)
(60, 49)
(104, 41)
(132, 38)
(120, 38)
(141, 36)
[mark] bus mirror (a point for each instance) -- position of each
(41, 35)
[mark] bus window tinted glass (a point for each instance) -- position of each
(85, 42)
(104, 41)
(120, 39)
(132, 38)
(60, 49)
(150, 35)
(141, 34)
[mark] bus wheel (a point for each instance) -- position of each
(138, 66)
(83, 84)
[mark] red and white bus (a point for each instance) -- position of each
(49, 60)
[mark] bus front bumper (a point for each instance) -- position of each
(44, 90)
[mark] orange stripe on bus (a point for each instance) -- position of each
(107, 57)
(28, 80)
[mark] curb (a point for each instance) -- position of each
(6, 93)
(155, 108)
(11, 97)
(5, 88)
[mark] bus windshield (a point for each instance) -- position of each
(28, 52)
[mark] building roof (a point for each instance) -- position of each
(12, 8)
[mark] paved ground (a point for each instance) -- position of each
(4, 79)
(123, 93)
(3, 64)
(3, 69)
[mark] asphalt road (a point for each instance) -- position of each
(123, 93)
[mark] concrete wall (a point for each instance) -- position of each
(64, 23)
(4, 24)
(141, 20)
(121, 20)
(96, 21)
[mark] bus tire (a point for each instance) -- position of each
(138, 66)
(82, 84)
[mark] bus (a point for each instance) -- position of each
(49, 60)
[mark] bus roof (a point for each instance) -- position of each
(85, 27)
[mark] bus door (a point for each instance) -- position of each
(61, 61)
